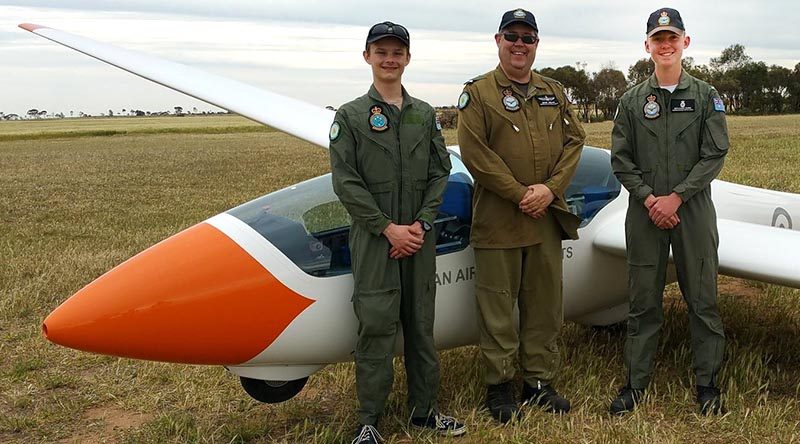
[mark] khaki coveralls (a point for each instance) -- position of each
(677, 146)
(382, 175)
(517, 258)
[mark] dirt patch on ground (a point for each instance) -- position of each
(738, 287)
(105, 423)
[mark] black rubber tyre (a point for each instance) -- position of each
(272, 392)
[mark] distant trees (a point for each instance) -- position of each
(746, 86)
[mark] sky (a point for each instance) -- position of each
(311, 50)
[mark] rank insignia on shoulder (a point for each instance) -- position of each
(719, 105)
(377, 121)
(438, 124)
(334, 133)
(463, 100)
(651, 108)
(510, 102)
(547, 100)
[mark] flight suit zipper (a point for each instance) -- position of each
(400, 153)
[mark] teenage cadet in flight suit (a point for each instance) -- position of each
(522, 142)
(668, 143)
(390, 168)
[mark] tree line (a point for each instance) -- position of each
(746, 86)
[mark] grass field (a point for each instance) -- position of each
(80, 196)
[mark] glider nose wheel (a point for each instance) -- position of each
(272, 392)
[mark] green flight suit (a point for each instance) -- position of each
(391, 168)
(677, 145)
(510, 139)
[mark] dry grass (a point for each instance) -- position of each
(73, 206)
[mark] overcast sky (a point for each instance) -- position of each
(311, 50)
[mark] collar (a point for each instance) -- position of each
(683, 83)
(502, 79)
(375, 95)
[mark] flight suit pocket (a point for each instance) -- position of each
(378, 311)
(718, 131)
(555, 135)
(383, 193)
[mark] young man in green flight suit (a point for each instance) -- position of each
(668, 143)
(521, 141)
(390, 167)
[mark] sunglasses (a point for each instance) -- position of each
(526, 38)
(389, 28)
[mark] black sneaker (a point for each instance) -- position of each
(441, 424)
(709, 400)
(500, 402)
(627, 399)
(366, 434)
(545, 396)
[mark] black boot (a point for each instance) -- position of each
(500, 402)
(627, 400)
(709, 400)
(544, 395)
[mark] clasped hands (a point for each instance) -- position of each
(536, 200)
(663, 210)
(405, 239)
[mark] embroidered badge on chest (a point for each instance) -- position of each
(681, 105)
(510, 102)
(547, 100)
(377, 121)
(651, 108)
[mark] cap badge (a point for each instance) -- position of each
(509, 101)
(377, 121)
(664, 19)
(651, 108)
(520, 14)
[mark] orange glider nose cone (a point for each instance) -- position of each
(196, 297)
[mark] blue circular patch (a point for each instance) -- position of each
(334, 133)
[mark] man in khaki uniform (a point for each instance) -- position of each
(390, 168)
(669, 142)
(521, 141)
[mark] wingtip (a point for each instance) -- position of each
(30, 26)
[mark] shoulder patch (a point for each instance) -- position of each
(334, 132)
(463, 100)
(719, 105)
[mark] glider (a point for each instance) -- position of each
(264, 289)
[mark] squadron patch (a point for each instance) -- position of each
(547, 100)
(719, 105)
(681, 105)
(463, 100)
(377, 121)
(510, 102)
(519, 13)
(651, 108)
(334, 133)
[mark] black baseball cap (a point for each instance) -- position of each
(665, 19)
(518, 16)
(388, 29)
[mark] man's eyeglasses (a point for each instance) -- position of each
(526, 38)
